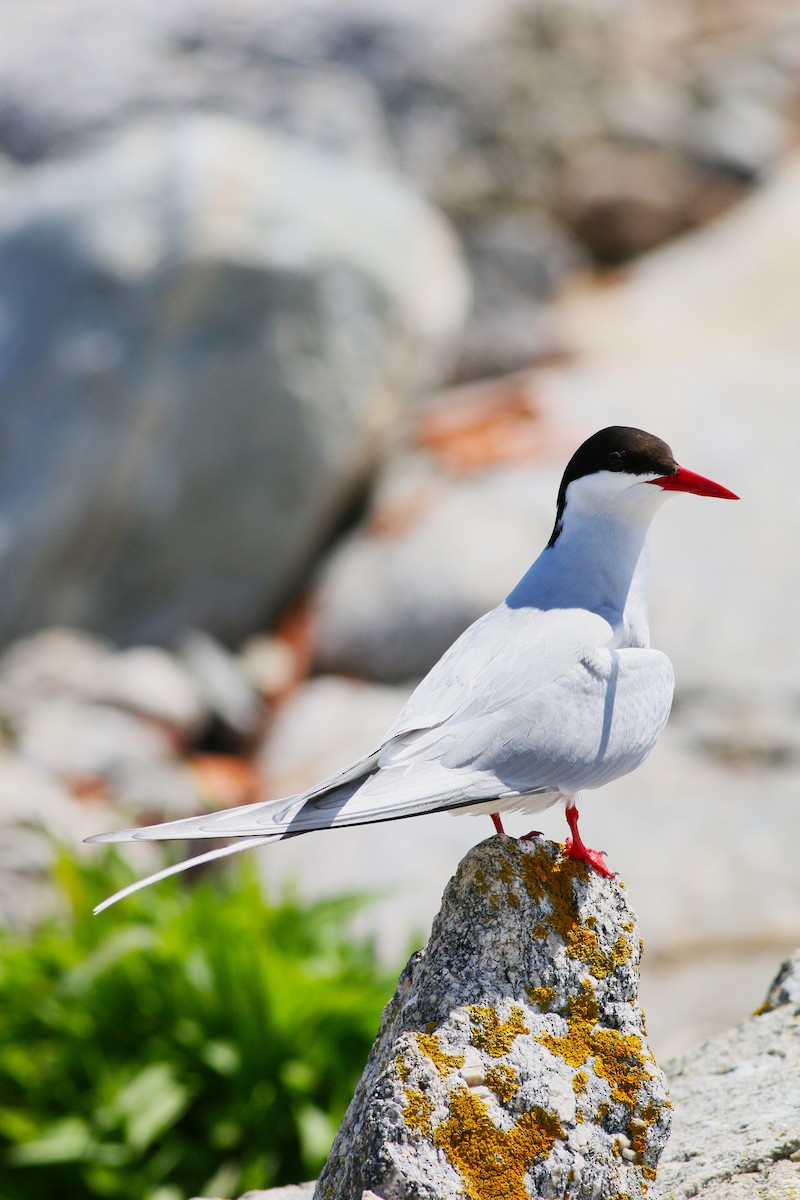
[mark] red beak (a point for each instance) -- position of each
(687, 481)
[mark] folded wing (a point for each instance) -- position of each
(470, 698)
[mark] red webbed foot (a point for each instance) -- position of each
(574, 847)
(528, 837)
(593, 857)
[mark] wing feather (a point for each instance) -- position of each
(506, 655)
(524, 706)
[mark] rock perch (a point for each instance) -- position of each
(512, 1060)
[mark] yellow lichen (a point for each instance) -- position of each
(542, 997)
(580, 1082)
(506, 872)
(491, 1034)
(503, 1081)
(444, 1062)
(417, 1112)
(619, 1058)
(637, 1129)
(492, 1162)
(553, 883)
(402, 1068)
(539, 933)
(583, 945)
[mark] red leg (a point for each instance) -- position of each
(576, 849)
(498, 824)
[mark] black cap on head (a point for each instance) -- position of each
(617, 448)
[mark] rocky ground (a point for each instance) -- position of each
(736, 1099)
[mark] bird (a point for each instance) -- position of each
(554, 692)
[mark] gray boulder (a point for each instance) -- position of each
(206, 332)
(512, 1059)
(736, 1134)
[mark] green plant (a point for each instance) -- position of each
(188, 1041)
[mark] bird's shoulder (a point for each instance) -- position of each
(507, 652)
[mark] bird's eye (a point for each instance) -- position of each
(616, 460)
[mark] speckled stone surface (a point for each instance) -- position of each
(737, 1107)
(512, 1060)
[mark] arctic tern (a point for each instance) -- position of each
(553, 692)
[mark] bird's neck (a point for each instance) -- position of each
(597, 562)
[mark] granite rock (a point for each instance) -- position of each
(512, 1059)
(737, 1099)
(217, 358)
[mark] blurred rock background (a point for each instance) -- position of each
(303, 308)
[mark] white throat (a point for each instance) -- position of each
(599, 560)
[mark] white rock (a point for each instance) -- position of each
(150, 681)
(165, 787)
(36, 813)
(55, 661)
(324, 725)
(221, 682)
(269, 664)
(82, 740)
(32, 797)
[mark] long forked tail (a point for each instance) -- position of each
(227, 823)
(247, 843)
